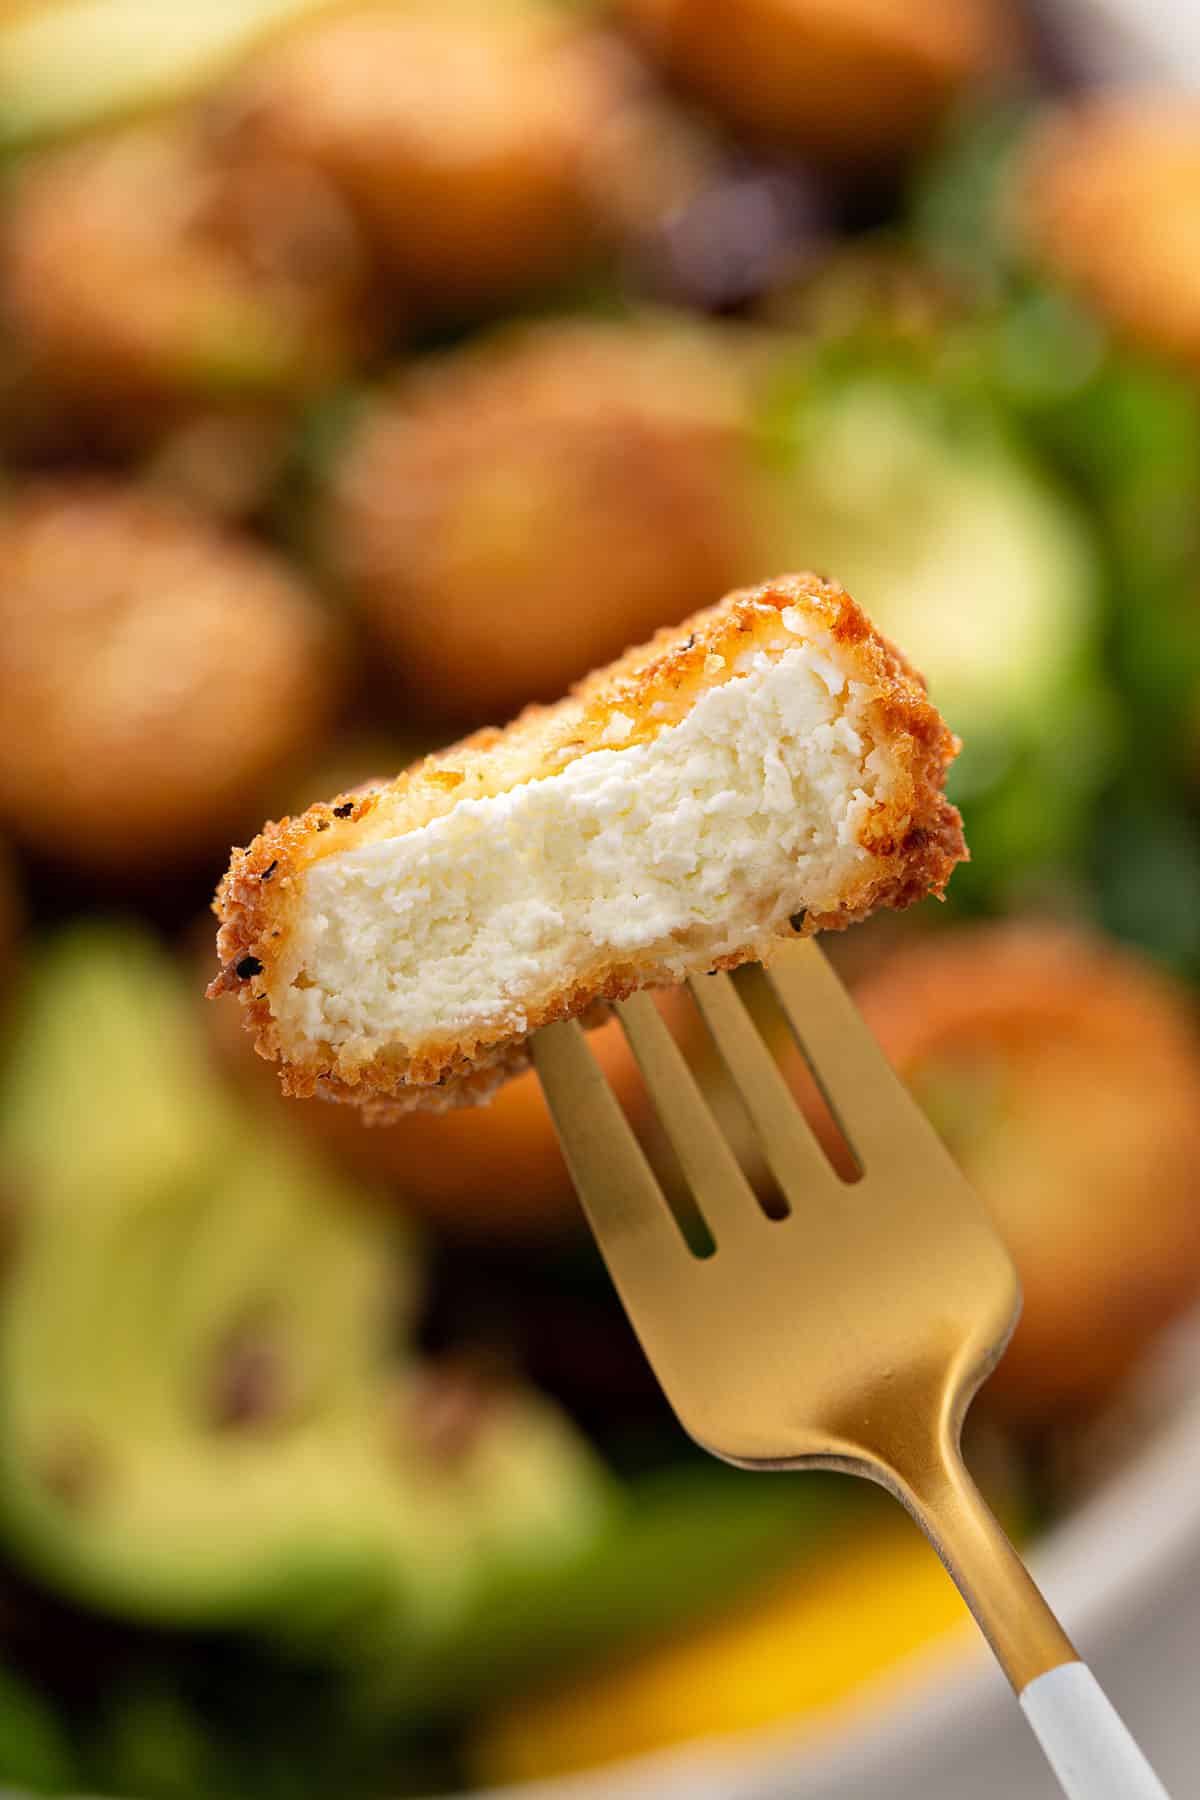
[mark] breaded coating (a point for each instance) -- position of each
(442, 1167)
(1104, 196)
(155, 675)
(848, 80)
(148, 271)
(773, 766)
(1064, 1072)
(476, 143)
(619, 452)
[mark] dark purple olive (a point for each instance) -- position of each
(736, 239)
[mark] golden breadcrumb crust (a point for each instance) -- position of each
(914, 838)
(1098, 197)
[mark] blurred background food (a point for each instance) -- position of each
(480, 146)
(368, 372)
(1093, 204)
(1010, 1035)
(542, 501)
(847, 80)
(154, 671)
(148, 272)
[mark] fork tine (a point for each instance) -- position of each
(712, 1171)
(799, 1164)
(864, 1093)
(637, 1232)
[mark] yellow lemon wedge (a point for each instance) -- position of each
(823, 1631)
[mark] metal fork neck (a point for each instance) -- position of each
(1009, 1607)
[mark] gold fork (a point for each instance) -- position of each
(851, 1333)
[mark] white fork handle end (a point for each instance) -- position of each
(1085, 1740)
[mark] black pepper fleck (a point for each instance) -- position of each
(269, 870)
(690, 642)
(73, 1471)
(250, 1385)
(248, 966)
(344, 810)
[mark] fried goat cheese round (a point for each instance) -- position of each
(156, 674)
(617, 453)
(474, 142)
(1104, 197)
(773, 766)
(148, 270)
(1064, 1073)
(851, 81)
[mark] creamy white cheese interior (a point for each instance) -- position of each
(694, 843)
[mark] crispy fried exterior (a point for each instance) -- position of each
(1102, 196)
(913, 840)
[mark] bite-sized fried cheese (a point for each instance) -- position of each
(772, 766)
(1103, 196)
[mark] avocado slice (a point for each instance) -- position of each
(208, 1418)
(953, 543)
(203, 1420)
(74, 65)
(82, 63)
(962, 547)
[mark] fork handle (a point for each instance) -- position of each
(1085, 1740)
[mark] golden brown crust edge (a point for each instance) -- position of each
(914, 840)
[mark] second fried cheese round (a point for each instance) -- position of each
(518, 513)
(154, 673)
(1064, 1072)
(148, 270)
(1104, 198)
(472, 140)
(847, 80)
